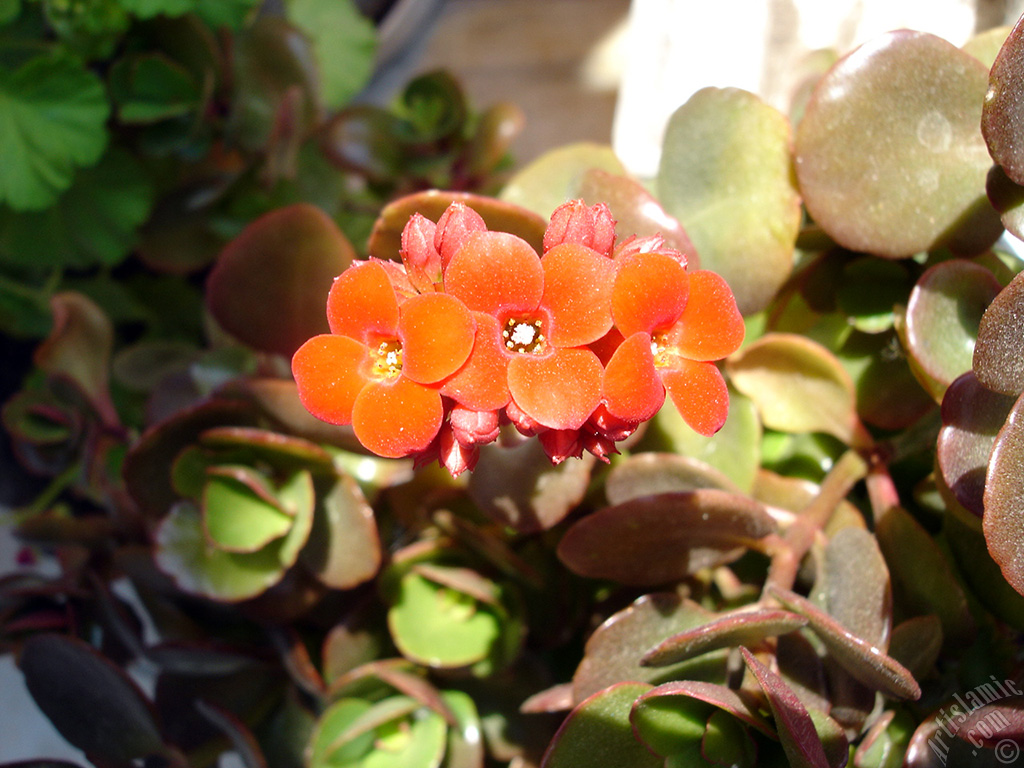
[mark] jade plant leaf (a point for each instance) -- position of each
(556, 176)
(658, 539)
(736, 196)
(727, 742)
(800, 739)
(600, 726)
(344, 42)
(985, 47)
(1002, 117)
(648, 474)
(865, 663)
(997, 359)
(501, 216)
(344, 546)
(636, 211)
(889, 156)
(739, 703)
(53, 113)
(942, 318)
(916, 643)
(972, 416)
(242, 513)
(183, 552)
(886, 742)
(740, 627)
(612, 652)
(90, 701)
(269, 286)
(1004, 498)
(798, 386)
(669, 725)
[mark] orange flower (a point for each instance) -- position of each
(545, 311)
(381, 367)
(674, 324)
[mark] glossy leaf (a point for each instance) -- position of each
(889, 156)
(658, 539)
(796, 730)
(53, 114)
(270, 285)
(797, 386)
(997, 359)
(648, 474)
(972, 416)
(942, 319)
(600, 725)
(499, 216)
(735, 197)
(344, 546)
(242, 514)
(740, 627)
(556, 176)
(739, 703)
(612, 652)
(519, 487)
(865, 662)
(1002, 118)
(91, 702)
(886, 742)
(668, 724)
(726, 742)
(1004, 498)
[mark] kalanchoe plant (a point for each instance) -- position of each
(812, 557)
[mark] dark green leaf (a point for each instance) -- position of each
(150, 87)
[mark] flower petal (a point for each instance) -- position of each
(560, 390)
(711, 327)
(699, 393)
(495, 272)
(633, 390)
(577, 293)
(362, 303)
(330, 372)
(650, 292)
(395, 419)
(436, 332)
(482, 383)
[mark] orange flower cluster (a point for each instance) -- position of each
(577, 346)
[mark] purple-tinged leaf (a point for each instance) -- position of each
(242, 739)
(865, 662)
(647, 474)
(972, 416)
(269, 286)
(992, 724)
(803, 670)
(400, 675)
(738, 703)
(386, 239)
(997, 359)
(885, 742)
(739, 627)
(600, 726)
(557, 698)
(796, 730)
(916, 643)
(90, 701)
(658, 539)
(344, 546)
(943, 313)
(1002, 116)
(1004, 499)
(612, 653)
(889, 156)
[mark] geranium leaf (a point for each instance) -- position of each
(889, 154)
(344, 42)
(151, 87)
(735, 196)
(52, 120)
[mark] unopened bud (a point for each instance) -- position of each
(474, 427)
(420, 256)
(522, 422)
(455, 223)
(574, 222)
(454, 456)
(611, 427)
(561, 444)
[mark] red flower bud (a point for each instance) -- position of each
(454, 456)
(526, 425)
(574, 222)
(422, 260)
(455, 223)
(561, 444)
(474, 427)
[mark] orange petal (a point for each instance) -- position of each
(362, 303)
(495, 272)
(482, 383)
(711, 326)
(436, 332)
(330, 372)
(699, 393)
(559, 391)
(632, 389)
(577, 293)
(395, 419)
(649, 294)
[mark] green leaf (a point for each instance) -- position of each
(9, 10)
(226, 13)
(152, 87)
(94, 222)
(344, 41)
(725, 174)
(148, 8)
(52, 116)
(239, 509)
